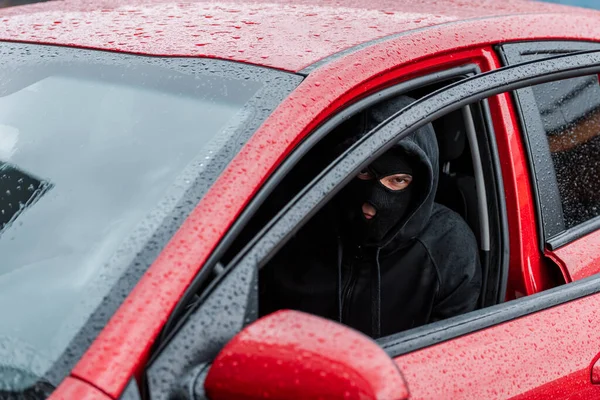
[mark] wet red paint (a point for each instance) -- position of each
(542, 356)
(281, 34)
(526, 267)
(596, 370)
(72, 388)
(272, 358)
(581, 258)
(575, 386)
(123, 346)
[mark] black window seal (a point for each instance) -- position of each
(500, 199)
(544, 184)
(437, 332)
(552, 232)
(538, 156)
(513, 52)
(379, 140)
(288, 164)
(574, 233)
(493, 190)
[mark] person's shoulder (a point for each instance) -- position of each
(449, 240)
(448, 225)
(451, 245)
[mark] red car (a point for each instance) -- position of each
(155, 155)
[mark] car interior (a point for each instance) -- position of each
(461, 186)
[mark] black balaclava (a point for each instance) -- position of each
(391, 206)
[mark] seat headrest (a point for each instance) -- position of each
(451, 137)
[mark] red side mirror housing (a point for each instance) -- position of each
(292, 355)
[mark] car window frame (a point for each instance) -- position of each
(213, 266)
(452, 97)
(552, 232)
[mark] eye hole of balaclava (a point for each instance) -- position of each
(390, 206)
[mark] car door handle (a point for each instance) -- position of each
(596, 371)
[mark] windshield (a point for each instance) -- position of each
(101, 158)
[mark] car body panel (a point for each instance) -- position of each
(575, 251)
(544, 355)
(122, 348)
(313, 101)
(525, 264)
(596, 370)
(72, 388)
(264, 33)
(531, 353)
(184, 253)
(581, 257)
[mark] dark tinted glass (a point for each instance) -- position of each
(570, 111)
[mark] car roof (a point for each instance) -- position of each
(284, 34)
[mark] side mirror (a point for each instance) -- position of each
(291, 355)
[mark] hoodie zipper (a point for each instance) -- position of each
(349, 289)
(347, 294)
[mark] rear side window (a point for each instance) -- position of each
(570, 113)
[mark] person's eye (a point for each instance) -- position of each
(397, 182)
(365, 175)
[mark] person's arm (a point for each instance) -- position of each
(460, 274)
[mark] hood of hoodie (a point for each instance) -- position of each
(420, 147)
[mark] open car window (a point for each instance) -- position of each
(407, 120)
(306, 204)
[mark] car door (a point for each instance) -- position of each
(561, 134)
(532, 354)
(530, 348)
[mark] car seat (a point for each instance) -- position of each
(456, 189)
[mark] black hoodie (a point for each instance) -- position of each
(425, 269)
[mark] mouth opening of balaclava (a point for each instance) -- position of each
(390, 206)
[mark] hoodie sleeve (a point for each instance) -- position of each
(456, 256)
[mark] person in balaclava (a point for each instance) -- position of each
(381, 257)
